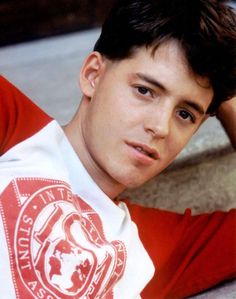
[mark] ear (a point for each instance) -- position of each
(90, 73)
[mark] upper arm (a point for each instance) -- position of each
(19, 116)
(190, 253)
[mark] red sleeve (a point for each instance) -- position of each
(19, 117)
(190, 253)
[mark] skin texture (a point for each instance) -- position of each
(136, 115)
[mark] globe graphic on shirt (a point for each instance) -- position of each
(69, 267)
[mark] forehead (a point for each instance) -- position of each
(171, 54)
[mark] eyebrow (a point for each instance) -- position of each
(151, 80)
(157, 84)
(195, 106)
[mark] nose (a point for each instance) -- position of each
(158, 122)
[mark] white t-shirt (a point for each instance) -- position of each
(61, 236)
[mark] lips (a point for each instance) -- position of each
(145, 150)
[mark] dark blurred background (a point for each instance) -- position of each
(24, 20)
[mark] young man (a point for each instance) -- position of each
(159, 69)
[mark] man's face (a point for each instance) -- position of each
(141, 113)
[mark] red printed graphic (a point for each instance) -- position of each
(56, 243)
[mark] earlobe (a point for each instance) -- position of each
(90, 73)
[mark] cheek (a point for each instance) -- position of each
(102, 125)
(177, 142)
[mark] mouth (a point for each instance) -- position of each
(145, 150)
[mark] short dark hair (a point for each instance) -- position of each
(206, 30)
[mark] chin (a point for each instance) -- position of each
(133, 182)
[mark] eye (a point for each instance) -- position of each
(143, 90)
(186, 115)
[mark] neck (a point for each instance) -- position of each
(106, 183)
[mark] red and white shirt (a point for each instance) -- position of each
(62, 237)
